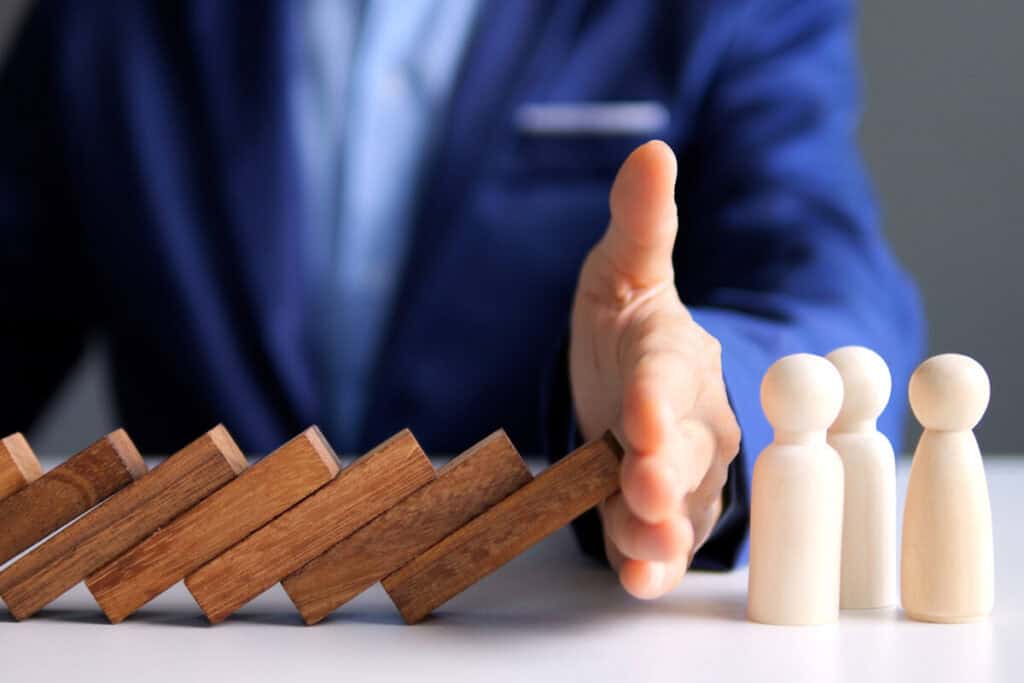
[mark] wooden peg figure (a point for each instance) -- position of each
(796, 519)
(947, 570)
(868, 574)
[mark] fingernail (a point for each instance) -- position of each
(655, 577)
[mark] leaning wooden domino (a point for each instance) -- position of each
(123, 520)
(19, 466)
(368, 487)
(570, 487)
(231, 513)
(65, 492)
(465, 487)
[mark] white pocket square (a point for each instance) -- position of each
(638, 117)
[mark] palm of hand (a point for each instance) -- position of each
(641, 366)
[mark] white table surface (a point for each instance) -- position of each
(548, 615)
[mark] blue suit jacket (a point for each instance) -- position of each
(149, 191)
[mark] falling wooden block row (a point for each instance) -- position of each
(231, 531)
(363, 490)
(231, 513)
(465, 487)
(125, 519)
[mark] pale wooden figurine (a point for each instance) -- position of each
(796, 521)
(947, 560)
(868, 575)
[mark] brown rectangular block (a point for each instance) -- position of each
(68, 490)
(19, 466)
(561, 493)
(368, 487)
(228, 515)
(127, 517)
(465, 487)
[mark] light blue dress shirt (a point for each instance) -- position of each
(373, 90)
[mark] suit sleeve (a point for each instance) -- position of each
(780, 248)
(46, 299)
(782, 210)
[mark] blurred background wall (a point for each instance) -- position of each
(944, 137)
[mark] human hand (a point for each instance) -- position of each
(641, 366)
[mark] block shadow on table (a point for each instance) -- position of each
(74, 616)
(552, 588)
(549, 589)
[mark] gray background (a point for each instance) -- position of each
(944, 105)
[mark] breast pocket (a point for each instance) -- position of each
(580, 140)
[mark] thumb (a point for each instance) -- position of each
(644, 221)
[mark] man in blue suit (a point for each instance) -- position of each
(382, 214)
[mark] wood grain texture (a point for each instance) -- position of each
(368, 487)
(465, 487)
(19, 466)
(68, 490)
(561, 493)
(127, 517)
(228, 515)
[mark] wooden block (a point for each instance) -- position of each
(566, 490)
(127, 517)
(368, 487)
(234, 511)
(19, 466)
(65, 492)
(465, 487)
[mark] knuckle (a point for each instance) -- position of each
(729, 439)
(601, 282)
(705, 494)
(710, 488)
(712, 346)
(718, 479)
(718, 474)
(701, 447)
(700, 434)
